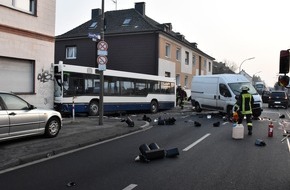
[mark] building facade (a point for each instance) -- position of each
(27, 30)
(136, 43)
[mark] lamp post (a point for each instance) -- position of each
(244, 61)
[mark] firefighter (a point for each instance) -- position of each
(245, 103)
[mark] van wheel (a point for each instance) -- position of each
(94, 108)
(154, 106)
(197, 107)
(230, 111)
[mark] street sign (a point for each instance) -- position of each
(102, 45)
(94, 36)
(102, 60)
(102, 52)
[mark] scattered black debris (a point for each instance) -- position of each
(71, 184)
(171, 153)
(282, 116)
(216, 124)
(153, 152)
(260, 142)
(145, 118)
(197, 124)
(129, 121)
(167, 121)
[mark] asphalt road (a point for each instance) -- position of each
(209, 159)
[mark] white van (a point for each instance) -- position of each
(218, 92)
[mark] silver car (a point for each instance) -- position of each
(19, 119)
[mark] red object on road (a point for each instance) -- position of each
(270, 129)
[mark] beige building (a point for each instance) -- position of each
(27, 30)
(182, 60)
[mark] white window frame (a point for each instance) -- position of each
(178, 54)
(186, 58)
(71, 52)
(193, 61)
(167, 50)
(25, 5)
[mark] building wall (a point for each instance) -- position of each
(30, 37)
(178, 68)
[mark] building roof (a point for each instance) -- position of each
(127, 21)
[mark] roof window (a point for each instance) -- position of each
(126, 21)
(93, 25)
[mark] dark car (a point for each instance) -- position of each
(265, 96)
(279, 99)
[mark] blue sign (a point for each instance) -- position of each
(94, 36)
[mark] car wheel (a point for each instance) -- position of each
(52, 127)
(197, 107)
(154, 106)
(94, 108)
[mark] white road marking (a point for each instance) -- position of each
(196, 142)
(288, 144)
(132, 186)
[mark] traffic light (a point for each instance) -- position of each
(283, 80)
(284, 61)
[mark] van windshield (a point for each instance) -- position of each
(237, 88)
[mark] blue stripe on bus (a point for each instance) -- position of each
(84, 108)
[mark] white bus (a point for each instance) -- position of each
(79, 87)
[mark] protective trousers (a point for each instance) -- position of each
(249, 121)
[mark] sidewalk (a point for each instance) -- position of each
(74, 134)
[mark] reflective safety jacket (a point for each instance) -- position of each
(245, 103)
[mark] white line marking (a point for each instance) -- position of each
(132, 186)
(196, 142)
(288, 144)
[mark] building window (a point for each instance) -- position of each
(186, 58)
(167, 50)
(167, 74)
(209, 66)
(71, 52)
(193, 61)
(25, 5)
(177, 79)
(186, 82)
(126, 22)
(178, 53)
(204, 63)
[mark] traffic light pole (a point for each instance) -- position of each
(101, 102)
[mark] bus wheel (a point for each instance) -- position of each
(154, 106)
(94, 108)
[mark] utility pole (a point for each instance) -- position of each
(101, 102)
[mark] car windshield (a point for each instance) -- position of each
(237, 87)
(278, 94)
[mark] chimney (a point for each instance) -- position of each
(96, 13)
(140, 7)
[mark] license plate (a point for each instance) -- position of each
(277, 102)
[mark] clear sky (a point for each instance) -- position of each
(228, 30)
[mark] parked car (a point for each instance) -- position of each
(265, 96)
(19, 119)
(278, 98)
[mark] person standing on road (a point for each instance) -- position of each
(245, 103)
(178, 93)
